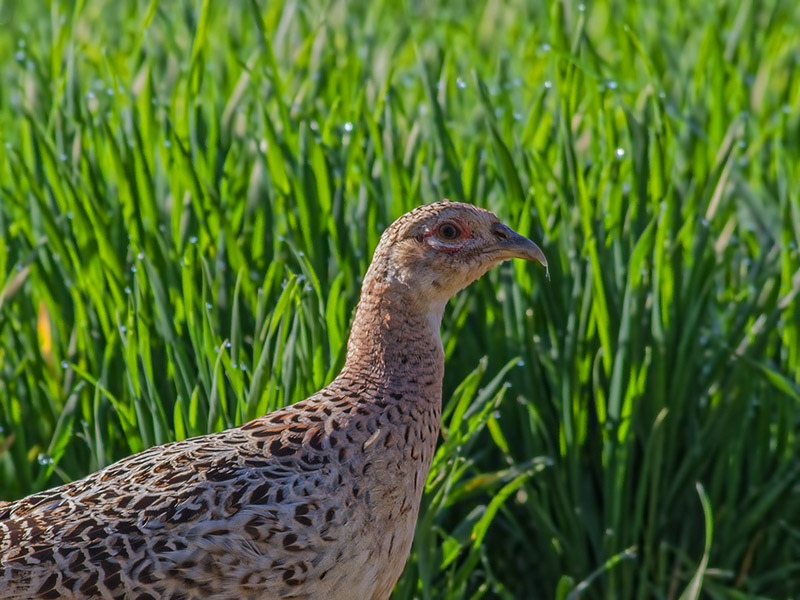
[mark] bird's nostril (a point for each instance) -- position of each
(501, 231)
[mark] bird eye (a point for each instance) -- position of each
(448, 231)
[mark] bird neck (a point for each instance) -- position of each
(395, 343)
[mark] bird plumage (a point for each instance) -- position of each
(315, 500)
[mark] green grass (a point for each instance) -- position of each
(190, 192)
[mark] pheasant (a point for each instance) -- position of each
(316, 500)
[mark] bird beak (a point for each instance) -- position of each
(514, 245)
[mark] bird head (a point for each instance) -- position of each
(432, 252)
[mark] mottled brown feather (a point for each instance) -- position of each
(316, 500)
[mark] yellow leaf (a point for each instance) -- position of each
(44, 333)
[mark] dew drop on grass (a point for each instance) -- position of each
(227, 344)
(308, 288)
(704, 222)
(619, 152)
(520, 363)
(348, 127)
(193, 239)
(581, 7)
(127, 290)
(64, 364)
(611, 84)
(19, 56)
(140, 256)
(123, 329)
(243, 367)
(133, 269)
(548, 84)
(44, 459)
(517, 116)
(109, 92)
(460, 83)
(209, 306)
(545, 47)
(234, 365)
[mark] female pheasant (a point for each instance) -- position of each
(316, 500)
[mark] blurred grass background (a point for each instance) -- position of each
(190, 192)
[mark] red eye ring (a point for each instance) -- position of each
(448, 232)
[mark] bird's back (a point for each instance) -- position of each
(315, 500)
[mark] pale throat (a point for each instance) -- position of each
(433, 316)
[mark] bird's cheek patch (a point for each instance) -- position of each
(442, 247)
(429, 237)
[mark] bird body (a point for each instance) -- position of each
(315, 500)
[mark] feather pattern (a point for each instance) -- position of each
(316, 500)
